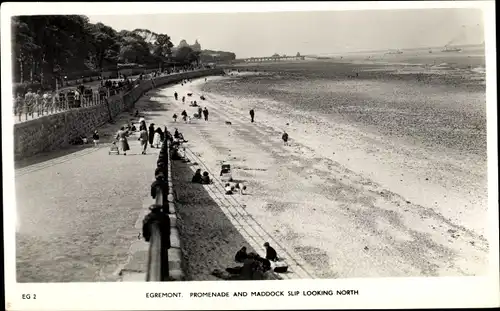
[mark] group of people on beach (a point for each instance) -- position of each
(185, 117)
(254, 266)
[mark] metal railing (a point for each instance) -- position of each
(37, 105)
(156, 225)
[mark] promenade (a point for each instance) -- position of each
(77, 209)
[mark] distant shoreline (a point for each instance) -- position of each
(457, 73)
(411, 49)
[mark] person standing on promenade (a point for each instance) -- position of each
(151, 133)
(29, 99)
(121, 136)
(285, 138)
(38, 102)
(205, 113)
(18, 105)
(143, 137)
(95, 137)
(142, 126)
(252, 114)
(158, 137)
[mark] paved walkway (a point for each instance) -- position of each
(77, 210)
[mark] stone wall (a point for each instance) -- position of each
(56, 131)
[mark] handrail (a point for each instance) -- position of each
(154, 273)
(25, 109)
(156, 225)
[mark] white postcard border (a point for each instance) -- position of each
(373, 293)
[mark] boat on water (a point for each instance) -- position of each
(448, 49)
(395, 52)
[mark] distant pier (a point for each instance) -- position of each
(268, 59)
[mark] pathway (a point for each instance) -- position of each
(77, 212)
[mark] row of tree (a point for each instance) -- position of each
(48, 47)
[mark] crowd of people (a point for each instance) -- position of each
(254, 266)
(38, 102)
(152, 136)
(43, 102)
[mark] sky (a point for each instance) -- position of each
(320, 33)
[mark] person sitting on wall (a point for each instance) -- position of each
(205, 179)
(175, 152)
(197, 178)
(270, 252)
(241, 255)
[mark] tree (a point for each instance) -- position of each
(105, 44)
(47, 43)
(133, 48)
(23, 44)
(46, 46)
(183, 54)
(147, 35)
(164, 45)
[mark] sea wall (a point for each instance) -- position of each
(57, 130)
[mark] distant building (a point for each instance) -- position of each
(182, 44)
(195, 47)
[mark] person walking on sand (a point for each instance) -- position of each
(252, 114)
(95, 137)
(143, 137)
(205, 113)
(176, 95)
(175, 117)
(200, 111)
(151, 134)
(183, 99)
(121, 136)
(285, 138)
(184, 115)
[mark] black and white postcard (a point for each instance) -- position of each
(204, 155)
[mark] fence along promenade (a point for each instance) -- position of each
(157, 225)
(38, 105)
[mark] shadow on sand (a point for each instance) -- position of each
(107, 134)
(210, 240)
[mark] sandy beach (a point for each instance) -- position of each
(339, 201)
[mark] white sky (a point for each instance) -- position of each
(263, 34)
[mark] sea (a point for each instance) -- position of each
(436, 100)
